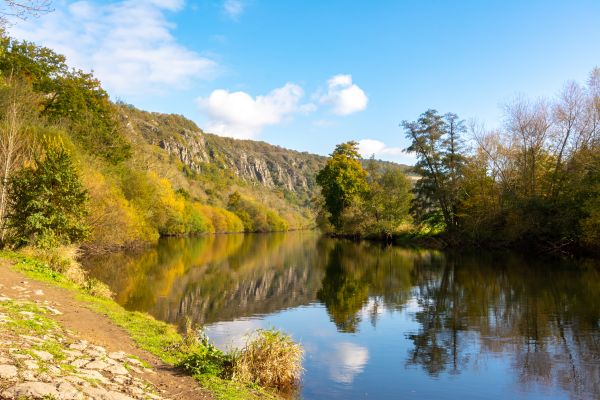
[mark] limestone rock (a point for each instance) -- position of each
(43, 355)
(117, 370)
(68, 392)
(8, 371)
(96, 364)
(35, 390)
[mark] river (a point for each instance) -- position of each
(380, 322)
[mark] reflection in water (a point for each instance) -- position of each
(383, 321)
(345, 360)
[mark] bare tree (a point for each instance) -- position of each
(570, 129)
(528, 125)
(17, 111)
(23, 9)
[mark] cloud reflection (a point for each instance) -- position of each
(346, 360)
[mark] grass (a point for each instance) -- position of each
(208, 365)
(37, 324)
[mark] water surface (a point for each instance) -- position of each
(381, 322)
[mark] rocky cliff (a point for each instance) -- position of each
(253, 161)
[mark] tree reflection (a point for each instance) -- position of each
(343, 292)
(546, 316)
(364, 278)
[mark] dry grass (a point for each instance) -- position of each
(270, 359)
(63, 259)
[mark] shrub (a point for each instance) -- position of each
(270, 359)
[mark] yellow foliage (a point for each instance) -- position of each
(115, 222)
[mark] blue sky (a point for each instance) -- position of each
(310, 74)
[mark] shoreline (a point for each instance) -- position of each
(105, 324)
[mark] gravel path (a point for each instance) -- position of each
(52, 346)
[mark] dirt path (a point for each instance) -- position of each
(99, 330)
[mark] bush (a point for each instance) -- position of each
(271, 359)
(221, 221)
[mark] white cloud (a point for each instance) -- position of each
(233, 9)
(369, 147)
(129, 44)
(239, 115)
(344, 96)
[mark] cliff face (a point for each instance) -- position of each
(254, 162)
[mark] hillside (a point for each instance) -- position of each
(289, 172)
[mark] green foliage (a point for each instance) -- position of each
(435, 139)
(371, 202)
(48, 203)
(387, 202)
(204, 358)
(79, 99)
(72, 98)
(342, 180)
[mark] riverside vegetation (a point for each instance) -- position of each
(535, 182)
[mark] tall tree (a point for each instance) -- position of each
(341, 180)
(437, 143)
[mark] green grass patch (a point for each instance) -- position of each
(231, 390)
(26, 318)
(36, 269)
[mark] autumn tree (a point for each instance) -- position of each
(342, 180)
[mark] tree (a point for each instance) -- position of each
(74, 99)
(341, 180)
(440, 160)
(17, 111)
(48, 203)
(387, 201)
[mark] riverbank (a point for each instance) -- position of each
(443, 241)
(30, 286)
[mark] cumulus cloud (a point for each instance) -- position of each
(233, 9)
(129, 44)
(344, 96)
(369, 147)
(239, 115)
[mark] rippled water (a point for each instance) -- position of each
(381, 322)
